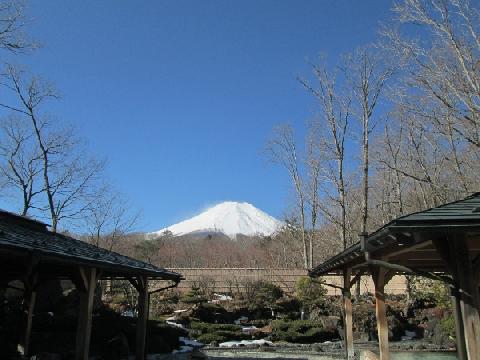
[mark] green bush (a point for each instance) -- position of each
(211, 313)
(207, 333)
(265, 295)
(206, 327)
(447, 324)
(296, 325)
(311, 293)
(233, 335)
(430, 292)
(301, 331)
(209, 338)
(194, 296)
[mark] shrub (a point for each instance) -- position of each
(209, 338)
(311, 293)
(289, 306)
(447, 324)
(264, 295)
(207, 333)
(364, 318)
(430, 292)
(212, 313)
(206, 327)
(206, 285)
(301, 331)
(162, 305)
(194, 296)
(296, 325)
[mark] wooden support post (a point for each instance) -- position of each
(476, 279)
(347, 314)
(143, 302)
(84, 327)
(379, 279)
(29, 305)
(468, 295)
(30, 282)
(459, 333)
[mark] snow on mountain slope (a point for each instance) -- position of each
(230, 218)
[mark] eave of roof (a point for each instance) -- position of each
(62, 249)
(464, 213)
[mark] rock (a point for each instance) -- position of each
(420, 346)
(411, 334)
(368, 355)
(337, 345)
(240, 320)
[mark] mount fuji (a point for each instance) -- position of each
(230, 218)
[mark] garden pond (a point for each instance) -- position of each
(250, 355)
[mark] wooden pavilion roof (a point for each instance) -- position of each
(409, 240)
(59, 256)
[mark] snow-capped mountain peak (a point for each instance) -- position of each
(230, 218)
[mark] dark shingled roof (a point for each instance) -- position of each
(21, 234)
(460, 213)
(464, 210)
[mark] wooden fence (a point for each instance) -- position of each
(231, 280)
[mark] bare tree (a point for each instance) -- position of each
(434, 152)
(313, 164)
(367, 73)
(12, 21)
(16, 170)
(427, 167)
(444, 66)
(281, 149)
(19, 161)
(109, 219)
(388, 158)
(69, 177)
(335, 115)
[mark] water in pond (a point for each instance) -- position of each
(251, 355)
(423, 356)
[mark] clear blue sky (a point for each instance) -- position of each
(180, 96)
